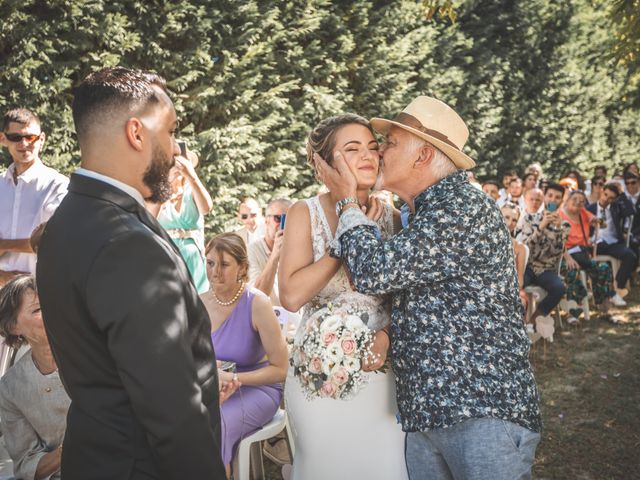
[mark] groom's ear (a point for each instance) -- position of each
(425, 155)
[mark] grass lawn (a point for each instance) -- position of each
(589, 381)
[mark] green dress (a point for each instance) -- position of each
(186, 228)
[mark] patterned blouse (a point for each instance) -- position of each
(545, 246)
(459, 346)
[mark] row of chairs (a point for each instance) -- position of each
(536, 294)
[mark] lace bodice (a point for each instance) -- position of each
(338, 291)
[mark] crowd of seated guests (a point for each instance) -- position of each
(567, 226)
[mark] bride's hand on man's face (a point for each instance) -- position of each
(338, 178)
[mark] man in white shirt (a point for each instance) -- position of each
(250, 215)
(612, 211)
(29, 192)
(264, 253)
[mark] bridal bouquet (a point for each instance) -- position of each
(328, 359)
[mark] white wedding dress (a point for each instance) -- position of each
(357, 439)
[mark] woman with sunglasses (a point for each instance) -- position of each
(579, 256)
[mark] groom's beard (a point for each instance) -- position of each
(380, 180)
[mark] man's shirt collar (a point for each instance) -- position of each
(442, 188)
(128, 189)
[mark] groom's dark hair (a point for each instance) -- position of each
(322, 139)
(109, 92)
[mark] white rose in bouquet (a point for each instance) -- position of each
(352, 364)
(353, 322)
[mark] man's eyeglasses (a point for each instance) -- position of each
(244, 216)
(276, 218)
(598, 184)
(631, 182)
(17, 137)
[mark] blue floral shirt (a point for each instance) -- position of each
(459, 346)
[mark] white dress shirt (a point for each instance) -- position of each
(24, 205)
(128, 189)
(607, 234)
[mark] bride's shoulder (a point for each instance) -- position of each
(299, 212)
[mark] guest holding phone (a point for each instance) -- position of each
(182, 216)
(245, 331)
(545, 234)
(264, 253)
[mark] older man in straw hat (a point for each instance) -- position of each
(466, 393)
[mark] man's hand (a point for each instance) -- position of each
(549, 218)
(379, 349)
(6, 277)
(571, 263)
(277, 245)
(338, 178)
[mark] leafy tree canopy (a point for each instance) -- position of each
(534, 79)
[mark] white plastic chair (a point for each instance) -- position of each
(249, 455)
(585, 300)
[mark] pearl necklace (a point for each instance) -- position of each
(230, 302)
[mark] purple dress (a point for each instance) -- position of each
(250, 407)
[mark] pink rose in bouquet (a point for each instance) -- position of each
(339, 376)
(315, 365)
(328, 389)
(349, 345)
(329, 337)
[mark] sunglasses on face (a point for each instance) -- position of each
(17, 137)
(598, 184)
(276, 218)
(631, 182)
(244, 216)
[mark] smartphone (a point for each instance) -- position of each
(183, 147)
(552, 207)
(283, 217)
(228, 366)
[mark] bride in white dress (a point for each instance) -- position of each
(357, 439)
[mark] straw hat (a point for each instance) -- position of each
(435, 122)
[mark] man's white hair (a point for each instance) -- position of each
(441, 165)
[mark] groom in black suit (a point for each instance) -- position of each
(127, 328)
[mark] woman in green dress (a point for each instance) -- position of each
(183, 216)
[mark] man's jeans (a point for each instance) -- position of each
(551, 283)
(628, 260)
(474, 449)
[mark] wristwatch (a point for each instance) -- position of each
(340, 204)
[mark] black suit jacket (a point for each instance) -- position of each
(621, 208)
(132, 341)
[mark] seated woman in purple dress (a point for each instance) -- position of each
(245, 330)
